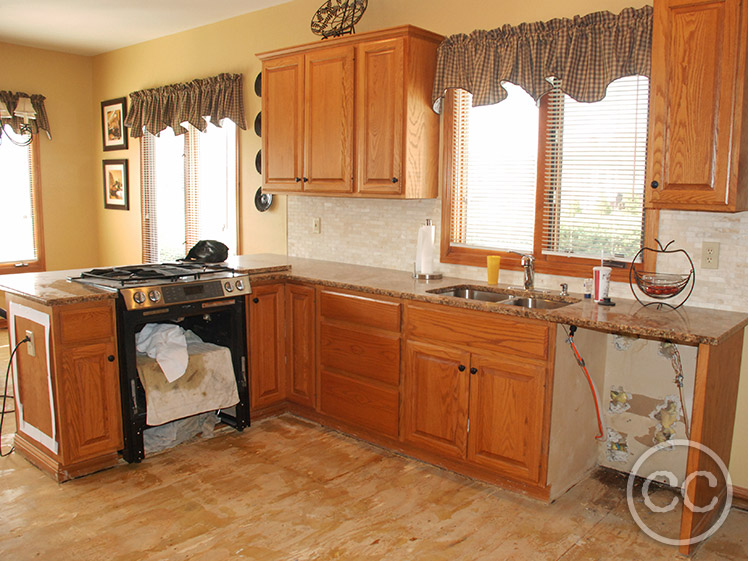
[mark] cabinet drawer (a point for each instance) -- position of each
(361, 310)
(366, 354)
(474, 330)
(84, 325)
(359, 403)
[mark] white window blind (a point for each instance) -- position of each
(495, 169)
(18, 227)
(189, 190)
(591, 158)
(595, 156)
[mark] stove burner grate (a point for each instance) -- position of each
(157, 271)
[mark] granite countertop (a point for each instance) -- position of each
(686, 325)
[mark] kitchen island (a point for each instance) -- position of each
(336, 291)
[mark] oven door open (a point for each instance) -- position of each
(220, 321)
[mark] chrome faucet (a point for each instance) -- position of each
(528, 263)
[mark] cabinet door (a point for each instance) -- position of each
(379, 116)
(507, 402)
(436, 398)
(89, 401)
(693, 100)
(266, 345)
(300, 344)
(283, 124)
(328, 129)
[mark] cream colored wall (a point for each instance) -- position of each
(68, 208)
(228, 46)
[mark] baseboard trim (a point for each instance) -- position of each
(740, 497)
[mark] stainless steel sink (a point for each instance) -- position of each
(472, 294)
(536, 303)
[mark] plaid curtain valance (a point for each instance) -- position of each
(586, 53)
(9, 101)
(218, 97)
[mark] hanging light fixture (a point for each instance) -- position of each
(26, 111)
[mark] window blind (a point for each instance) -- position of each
(188, 190)
(18, 199)
(495, 169)
(595, 157)
(149, 218)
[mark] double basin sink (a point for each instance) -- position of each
(469, 293)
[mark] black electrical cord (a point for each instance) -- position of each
(6, 396)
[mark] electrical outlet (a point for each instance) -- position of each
(710, 255)
(31, 345)
(317, 226)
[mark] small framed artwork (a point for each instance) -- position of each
(113, 130)
(116, 185)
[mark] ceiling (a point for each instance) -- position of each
(90, 27)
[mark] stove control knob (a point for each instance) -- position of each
(240, 285)
(228, 286)
(139, 297)
(154, 296)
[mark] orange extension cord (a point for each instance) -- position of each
(580, 361)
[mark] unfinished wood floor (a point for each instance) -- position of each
(288, 489)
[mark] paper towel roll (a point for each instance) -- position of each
(425, 249)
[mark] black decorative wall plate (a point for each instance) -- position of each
(263, 200)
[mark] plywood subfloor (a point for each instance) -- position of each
(288, 489)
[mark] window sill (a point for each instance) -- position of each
(548, 265)
(34, 267)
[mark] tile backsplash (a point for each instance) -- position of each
(383, 233)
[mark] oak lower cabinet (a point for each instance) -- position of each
(698, 106)
(68, 414)
(352, 116)
(300, 344)
(359, 360)
(477, 388)
(267, 350)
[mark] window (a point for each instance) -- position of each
(22, 249)
(563, 180)
(189, 190)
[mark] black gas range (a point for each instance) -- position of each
(206, 298)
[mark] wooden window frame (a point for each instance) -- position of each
(545, 264)
(39, 264)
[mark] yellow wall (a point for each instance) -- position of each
(68, 204)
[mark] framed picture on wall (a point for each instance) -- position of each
(113, 129)
(116, 185)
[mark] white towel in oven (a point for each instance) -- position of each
(167, 344)
(208, 384)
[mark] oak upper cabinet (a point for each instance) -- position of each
(266, 334)
(307, 123)
(283, 96)
(477, 389)
(379, 119)
(300, 344)
(698, 113)
(357, 121)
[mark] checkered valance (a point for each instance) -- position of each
(587, 53)
(8, 103)
(218, 97)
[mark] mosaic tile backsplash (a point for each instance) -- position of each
(383, 233)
